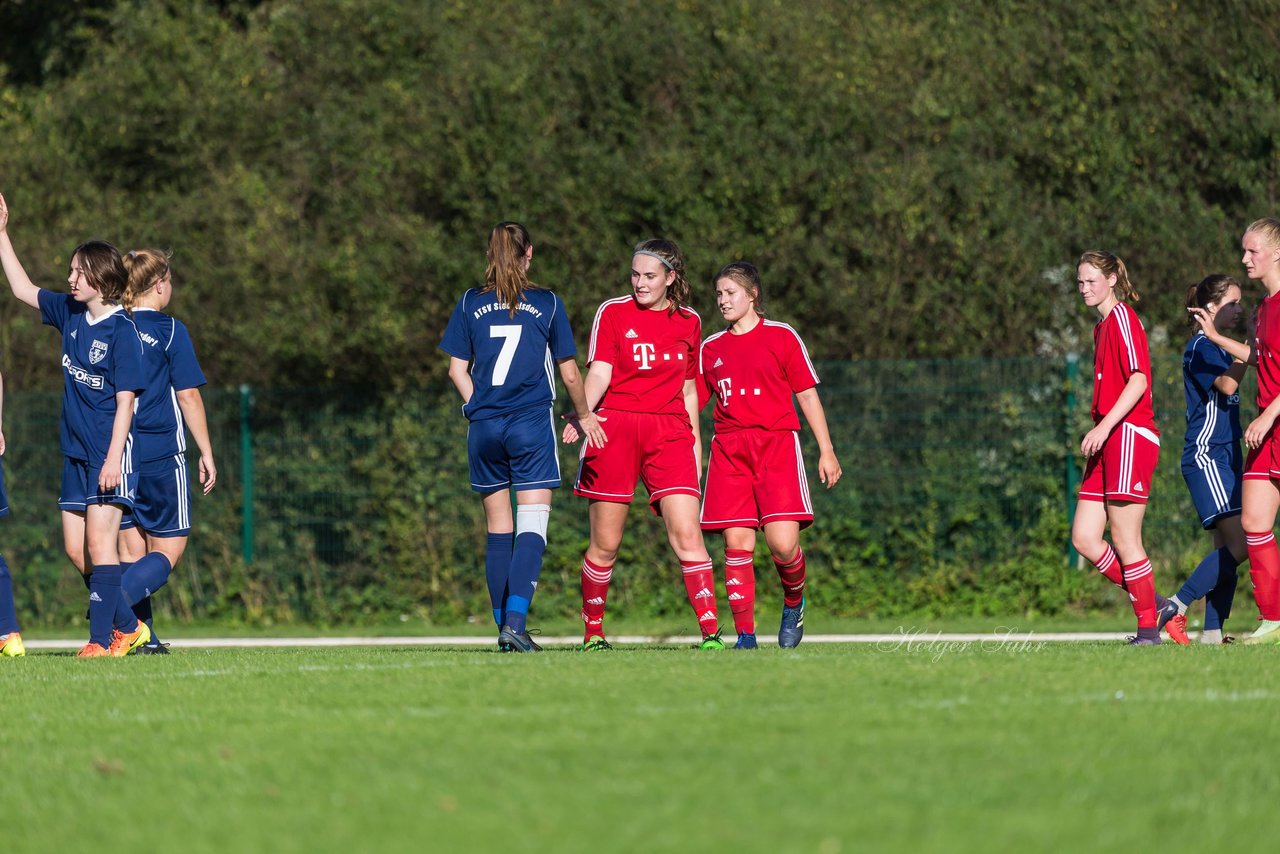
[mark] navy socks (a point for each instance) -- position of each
(8, 611)
(497, 566)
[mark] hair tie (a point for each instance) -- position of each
(664, 261)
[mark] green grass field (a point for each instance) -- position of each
(827, 748)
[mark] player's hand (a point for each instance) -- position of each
(1094, 440)
(4, 213)
(109, 477)
(829, 470)
(575, 430)
(1202, 317)
(594, 429)
(208, 473)
(1257, 431)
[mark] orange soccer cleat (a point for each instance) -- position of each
(123, 643)
(93, 650)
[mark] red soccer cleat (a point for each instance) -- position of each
(1177, 629)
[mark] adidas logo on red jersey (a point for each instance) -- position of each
(631, 333)
(718, 363)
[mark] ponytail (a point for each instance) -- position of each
(507, 274)
(145, 267)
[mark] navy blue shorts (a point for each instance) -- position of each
(514, 450)
(1213, 474)
(80, 487)
(162, 505)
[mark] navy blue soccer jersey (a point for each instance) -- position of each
(100, 357)
(512, 358)
(169, 366)
(1213, 418)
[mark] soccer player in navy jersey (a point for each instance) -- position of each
(642, 373)
(154, 533)
(102, 376)
(10, 632)
(1122, 448)
(503, 340)
(755, 476)
(1211, 460)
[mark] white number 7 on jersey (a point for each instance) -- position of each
(512, 336)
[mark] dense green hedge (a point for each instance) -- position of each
(914, 178)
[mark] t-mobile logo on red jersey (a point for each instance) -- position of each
(726, 391)
(644, 354)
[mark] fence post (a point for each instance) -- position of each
(246, 473)
(1073, 375)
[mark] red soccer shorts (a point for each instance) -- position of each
(657, 449)
(755, 477)
(1122, 470)
(1263, 462)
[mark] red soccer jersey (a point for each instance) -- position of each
(652, 353)
(754, 375)
(1120, 351)
(1268, 347)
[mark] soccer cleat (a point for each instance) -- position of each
(513, 641)
(11, 646)
(596, 643)
(792, 628)
(93, 650)
(711, 641)
(1270, 635)
(1138, 640)
(123, 643)
(1177, 629)
(746, 641)
(153, 649)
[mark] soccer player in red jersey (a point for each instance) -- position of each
(642, 377)
(1261, 496)
(1123, 446)
(755, 477)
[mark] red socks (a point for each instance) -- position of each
(1264, 572)
(1141, 585)
(700, 585)
(1109, 566)
(740, 584)
(595, 589)
(792, 576)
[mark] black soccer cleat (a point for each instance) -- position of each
(513, 641)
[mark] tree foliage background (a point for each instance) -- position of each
(915, 179)
(904, 173)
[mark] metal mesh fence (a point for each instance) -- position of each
(334, 501)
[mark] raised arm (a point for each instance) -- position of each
(829, 470)
(19, 282)
(1240, 350)
(1229, 382)
(192, 406)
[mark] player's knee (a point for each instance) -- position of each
(531, 523)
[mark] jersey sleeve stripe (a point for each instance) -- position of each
(1123, 314)
(804, 351)
(595, 326)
